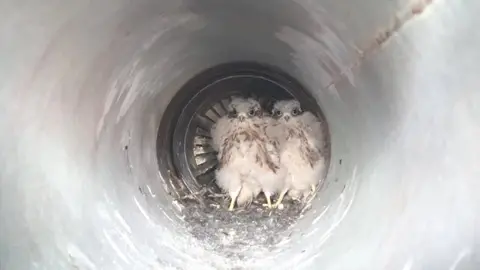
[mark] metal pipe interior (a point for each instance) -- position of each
(82, 81)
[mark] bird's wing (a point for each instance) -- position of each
(225, 152)
(315, 129)
(311, 154)
(219, 132)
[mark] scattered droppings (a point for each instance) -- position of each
(178, 206)
(234, 234)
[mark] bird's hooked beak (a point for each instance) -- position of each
(241, 117)
(287, 118)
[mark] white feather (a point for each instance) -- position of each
(219, 131)
(245, 155)
(273, 183)
(296, 134)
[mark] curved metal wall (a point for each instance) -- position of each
(83, 82)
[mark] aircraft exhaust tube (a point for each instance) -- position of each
(97, 144)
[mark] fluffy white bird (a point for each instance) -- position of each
(301, 142)
(246, 166)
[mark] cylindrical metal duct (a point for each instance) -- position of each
(84, 86)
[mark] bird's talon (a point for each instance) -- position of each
(232, 205)
(280, 198)
(266, 205)
(269, 202)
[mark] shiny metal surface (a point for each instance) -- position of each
(84, 84)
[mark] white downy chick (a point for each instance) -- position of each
(244, 159)
(302, 142)
(272, 183)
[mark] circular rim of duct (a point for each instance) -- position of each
(176, 133)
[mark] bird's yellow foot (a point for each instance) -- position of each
(311, 196)
(269, 201)
(234, 199)
(313, 190)
(280, 198)
(232, 205)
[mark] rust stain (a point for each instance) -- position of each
(420, 6)
(413, 9)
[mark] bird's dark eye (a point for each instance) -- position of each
(277, 113)
(232, 114)
(251, 112)
(296, 112)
